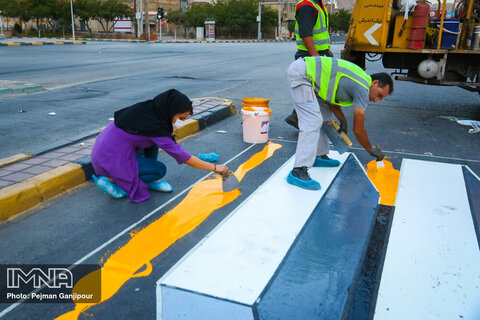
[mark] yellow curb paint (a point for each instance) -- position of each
(59, 180)
(16, 158)
(146, 244)
(385, 180)
(58, 42)
(190, 127)
(27, 194)
(37, 43)
(17, 198)
(13, 44)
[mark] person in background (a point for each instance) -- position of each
(312, 36)
(146, 125)
(337, 83)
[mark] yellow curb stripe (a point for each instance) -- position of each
(24, 195)
(190, 127)
(59, 180)
(16, 158)
(13, 44)
(17, 198)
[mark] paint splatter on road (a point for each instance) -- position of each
(146, 244)
(385, 180)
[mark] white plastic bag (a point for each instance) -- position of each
(407, 5)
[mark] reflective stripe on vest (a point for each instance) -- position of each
(326, 72)
(321, 38)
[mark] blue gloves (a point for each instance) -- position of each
(210, 157)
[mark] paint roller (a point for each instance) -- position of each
(340, 140)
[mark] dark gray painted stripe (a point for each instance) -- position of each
(473, 191)
(319, 274)
(364, 296)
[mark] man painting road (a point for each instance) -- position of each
(337, 83)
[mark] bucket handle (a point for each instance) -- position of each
(448, 31)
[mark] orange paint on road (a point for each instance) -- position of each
(385, 180)
(146, 244)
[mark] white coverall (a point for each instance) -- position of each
(312, 111)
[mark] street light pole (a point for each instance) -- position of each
(73, 21)
(259, 19)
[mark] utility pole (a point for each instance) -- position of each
(147, 22)
(279, 22)
(259, 17)
(73, 21)
(139, 16)
(1, 26)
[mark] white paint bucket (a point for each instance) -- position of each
(256, 122)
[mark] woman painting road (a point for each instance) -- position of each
(146, 125)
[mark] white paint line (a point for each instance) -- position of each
(473, 173)
(422, 155)
(260, 231)
(131, 227)
(432, 264)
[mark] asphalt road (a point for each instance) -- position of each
(87, 83)
(86, 86)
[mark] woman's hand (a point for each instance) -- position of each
(222, 169)
(204, 165)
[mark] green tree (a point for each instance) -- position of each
(178, 18)
(40, 10)
(87, 10)
(340, 20)
(198, 13)
(109, 10)
(10, 8)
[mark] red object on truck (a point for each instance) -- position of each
(419, 26)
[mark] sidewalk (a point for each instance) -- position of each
(27, 179)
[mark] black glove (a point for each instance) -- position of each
(377, 153)
(329, 53)
(343, 126)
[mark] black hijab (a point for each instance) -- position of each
(153, 118)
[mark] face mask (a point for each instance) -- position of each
(178, 124)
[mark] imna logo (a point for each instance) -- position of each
(51, 278)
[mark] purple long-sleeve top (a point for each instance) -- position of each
(113, 156)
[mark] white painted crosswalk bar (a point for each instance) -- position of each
(224, 275)
(432, 264)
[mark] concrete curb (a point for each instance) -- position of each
(17, 44)
(29, 193)
(18, 90)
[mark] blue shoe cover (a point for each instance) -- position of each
(210, 157)
(110, 188)
(319, 162)
(160, 185)
(309, 185)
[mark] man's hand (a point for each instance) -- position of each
(377, 153)
(343, 126)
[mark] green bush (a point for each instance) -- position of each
(17, 28)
